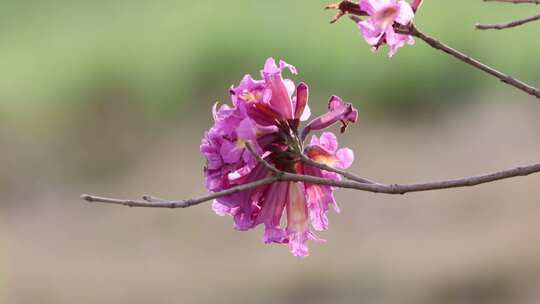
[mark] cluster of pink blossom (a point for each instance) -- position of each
(267, 114)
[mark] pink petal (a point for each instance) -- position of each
(329, 141)
(345, 157)
(306, 114)
(297, 220)
(297, 244)
(396, 41)
(220, 209)
(270, 67)
(274, 235)
(405, 14)
(289, 84)
(371, 34)
(274, 202)
(302, 97)
(284, 65)
(372, 6)
(281, 99)
(319, 198)
(230, 152)
(314, 141)
(247, 130)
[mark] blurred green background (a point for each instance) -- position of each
(112, 97)
(59, 54)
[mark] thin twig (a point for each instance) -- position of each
(501, 26)
(436, 44)
(154, 202)
(515, 1)
(375, 188)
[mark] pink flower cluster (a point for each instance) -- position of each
(266, 114)
(378, 29)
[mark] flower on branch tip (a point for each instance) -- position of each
(267, 114)
(378, 28)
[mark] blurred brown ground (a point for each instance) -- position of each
(478, 245)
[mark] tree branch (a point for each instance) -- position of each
(515, 1)
(436, 44)
(501, 26)
(284, 176)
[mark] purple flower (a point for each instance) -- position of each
(267, 114)
(379, 28)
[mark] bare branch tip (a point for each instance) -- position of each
(86, 197)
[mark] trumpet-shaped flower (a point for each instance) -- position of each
(320, 197)
(338, 111)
